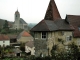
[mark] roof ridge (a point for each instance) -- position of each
(46, 25)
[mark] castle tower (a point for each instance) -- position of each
(17, 20)
(52, 12)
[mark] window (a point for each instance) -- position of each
(44, 35)
(68, 38)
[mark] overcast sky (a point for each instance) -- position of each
(33, 11)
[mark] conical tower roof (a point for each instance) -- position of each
(52, 12)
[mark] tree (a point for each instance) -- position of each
(22, 47)
(74, 51)
(5, 28)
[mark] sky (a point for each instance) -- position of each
(33, 11)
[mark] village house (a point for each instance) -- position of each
(24, 37)
(74, 20)
(29, 48)
(4, 40)
(52, 30)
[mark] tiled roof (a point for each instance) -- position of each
(75, 21)
(52, 12)
(63, 25)
(4, 37)
(24, 34)
(12, 36)
(48, 25)
(41, 26)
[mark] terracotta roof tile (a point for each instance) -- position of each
(26, 34)
(52, 12)
(74, 20)
(4, 37)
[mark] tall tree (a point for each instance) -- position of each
(5, 28)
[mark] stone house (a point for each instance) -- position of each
(54, 33)
(74, 20)
(52, 30)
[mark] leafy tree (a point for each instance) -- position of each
(74, 51)
(5, 28)
(3, 31)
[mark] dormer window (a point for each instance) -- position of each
(43, 35)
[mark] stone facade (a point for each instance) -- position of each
(60, 38)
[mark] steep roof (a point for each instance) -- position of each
(75, 21)
(22, 21)
(52, 12)
(4, 37)
(24, 34)
(48, 25)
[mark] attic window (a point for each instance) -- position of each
(44, 35)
